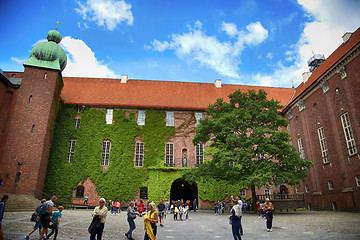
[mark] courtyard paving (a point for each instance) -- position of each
(202, 225)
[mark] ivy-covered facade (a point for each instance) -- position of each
(78, 152)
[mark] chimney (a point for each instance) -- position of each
(346, 37)
(124, 78)
(306, 76)
(218, 83)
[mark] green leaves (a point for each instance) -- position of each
(247, 131)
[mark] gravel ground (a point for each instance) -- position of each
(201, 225)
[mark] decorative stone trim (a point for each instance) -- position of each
(301, 105)
(342, 73)
(289, 114)
(324, 85)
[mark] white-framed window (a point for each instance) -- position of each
(323, 146)
(71, 150)
(199, 152)
(267, 192)
(198, 116)
(297, 189)
(242, 192)
(331, 185)
(301, 148)
(105, 153)
(357, 180)
(139, 154)
(350, 141)
(169, 118)
(232, 164)
(169, 155)
(307, 190)
(77, 122)
(141, 118)
(109, 116)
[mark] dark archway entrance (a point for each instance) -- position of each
(182, 190)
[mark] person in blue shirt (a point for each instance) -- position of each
(2, 210)
(161, 208)
(56, 223)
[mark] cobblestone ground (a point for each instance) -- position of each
(202, 225)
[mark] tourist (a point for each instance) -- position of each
(109, 205)
(100, 212)
(37, 221)
(2, 210)
(150, 222)
(114, 210)
(45, 214)
(194, 205)
(268, 209)
(187, 209)
(167, 207)
(141, 207)
(235, 220)
(181, 212)
(56, 223)
(245, 207)
(176, 211)
(131, 215)
(86, 200)
(240, 203)
(262, 209)
(161, 209)
(258, 208)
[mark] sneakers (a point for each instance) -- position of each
(161, 225)
(127, 236)
(269, 230)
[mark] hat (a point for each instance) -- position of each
(102, 199)
(267, 199)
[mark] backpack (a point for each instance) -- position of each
(43, 209)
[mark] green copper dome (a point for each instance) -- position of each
(48, 54)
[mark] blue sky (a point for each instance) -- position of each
(250, 42)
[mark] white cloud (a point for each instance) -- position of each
(269, 55)
(322, 34)
(82, 62)
(106, 13)
(208, 51)
(19, 60)
(230, 29)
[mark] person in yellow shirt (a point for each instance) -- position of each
(150, 222)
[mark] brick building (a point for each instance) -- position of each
(30, 101)
(323, 118)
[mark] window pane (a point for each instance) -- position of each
(141, 117)
(169, 118)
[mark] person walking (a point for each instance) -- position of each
(235, 219)
(240, 203)
(131, 215)
(258, 209)
(150, 222)
(37, 221)
(56, 223)
(2, 210)
(101, 213)
(46, 212)
(161, 209)
(86, 200)
(268, 209)
(141, 207)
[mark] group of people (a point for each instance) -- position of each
(267, 210)
(46, 218)
(180, 208)
(114, 206)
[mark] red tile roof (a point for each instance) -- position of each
(155, 94)
(328, 63)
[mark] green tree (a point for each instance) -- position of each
(248, 143)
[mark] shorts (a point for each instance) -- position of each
(161, 214)
(45, 220)
(37, 225)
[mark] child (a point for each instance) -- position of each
(56, 222)
(181, 211)
(176, 213)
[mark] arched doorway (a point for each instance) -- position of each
(182, 190)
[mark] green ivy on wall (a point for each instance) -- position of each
(120, 179)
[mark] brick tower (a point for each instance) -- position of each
(28, 130)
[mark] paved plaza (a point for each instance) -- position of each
(202, 225)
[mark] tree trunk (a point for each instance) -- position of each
(254, 198)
